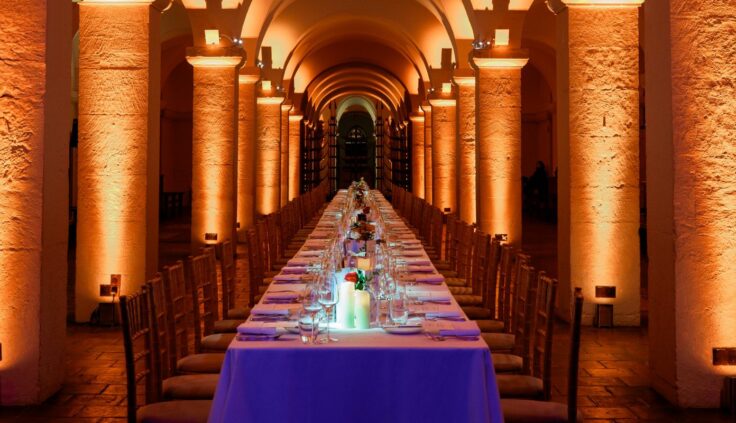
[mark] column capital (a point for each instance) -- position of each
(269, 100)
(464, 80)
(248, 79)
(500, 62)
(294, 118)
(426, 107)
(215, 57)
(603, 3)
(416, 117)
(442, 102)
(286, 106)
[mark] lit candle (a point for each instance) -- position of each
(362, 307)
(345, 305)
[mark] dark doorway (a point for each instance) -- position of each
(356, 145)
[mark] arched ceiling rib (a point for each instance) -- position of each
(353, 50)
(345, 104)
(287, 25)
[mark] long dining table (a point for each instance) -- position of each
(368, 375)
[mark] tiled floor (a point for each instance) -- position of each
(613, 376)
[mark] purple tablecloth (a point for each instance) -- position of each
(368, 376)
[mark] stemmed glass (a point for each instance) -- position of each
(328, 297)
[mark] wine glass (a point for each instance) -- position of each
(328, 297)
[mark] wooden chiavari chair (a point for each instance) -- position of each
(517, 340)
(141, 373)
(479, 264)
(536, 382)
(201, 386)
(229, 283)
(525, 411)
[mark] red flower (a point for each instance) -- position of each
(352, 277)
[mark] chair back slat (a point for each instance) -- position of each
(438, 219)
(543, 331)
(479, 262)
(159, 326)
(523, 310)
(138, 351)
(180, 312)
(254, 270)
(200, 290)
(227, 272)
(572, 377)
(213, 283)
(490, 284)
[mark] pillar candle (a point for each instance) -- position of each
(345, 305)
(362, 307)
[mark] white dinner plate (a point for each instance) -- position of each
(403, 330)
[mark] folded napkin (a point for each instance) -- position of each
(442, 313)
(320, 234)
(272, 309)
(288, 277)
(421, 269)
(434, 279)
(436, 296)
(469, 328)
(315, 243)
(281, 295)
(310, 253)
(300, 261)
(409, 252)
(406, 236)
(257, 328)
(294, 270)
(417, 261)
(413, 242)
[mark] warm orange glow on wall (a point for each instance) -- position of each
(444, 148)
(294, 155)
(427, 152)
(114, 137)
(703, 204)
(417, 155)
(466, 173)
(498, 146)
(214, 140)
(604, 155)
(285, 153)
(268, 154)
(34, 147)
(246, 153)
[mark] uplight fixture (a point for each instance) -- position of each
(212, 37)
(502, 37)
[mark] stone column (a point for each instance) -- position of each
(214, 143)
(268, 154)
(427, 152)
(604, 153)
(444, 144)
(417, 155)
(35, 120)
(295, 122)
(117, 230)
(285, 154)
(466, 175)
(246, 204)
(691, 208)
(498, 146)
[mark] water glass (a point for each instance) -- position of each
(398, 309)
(308, 326)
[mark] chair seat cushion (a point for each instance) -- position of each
(442, 265)
(448, 273)
(520, 386)
(458, 282)
(477, 313)
(201, 363)
(507, 363)
(498, 341)
(217, 342)
(528, 411)
(227, 326)
(238, 313)
(488, 325)
(460, 290)
(175, 412)
(190, 387)
(469, 300)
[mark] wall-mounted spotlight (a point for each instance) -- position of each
(446, 88)
(212, 37)
(260, 64)
(481, 44)
(266, 85)
(502, 37)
